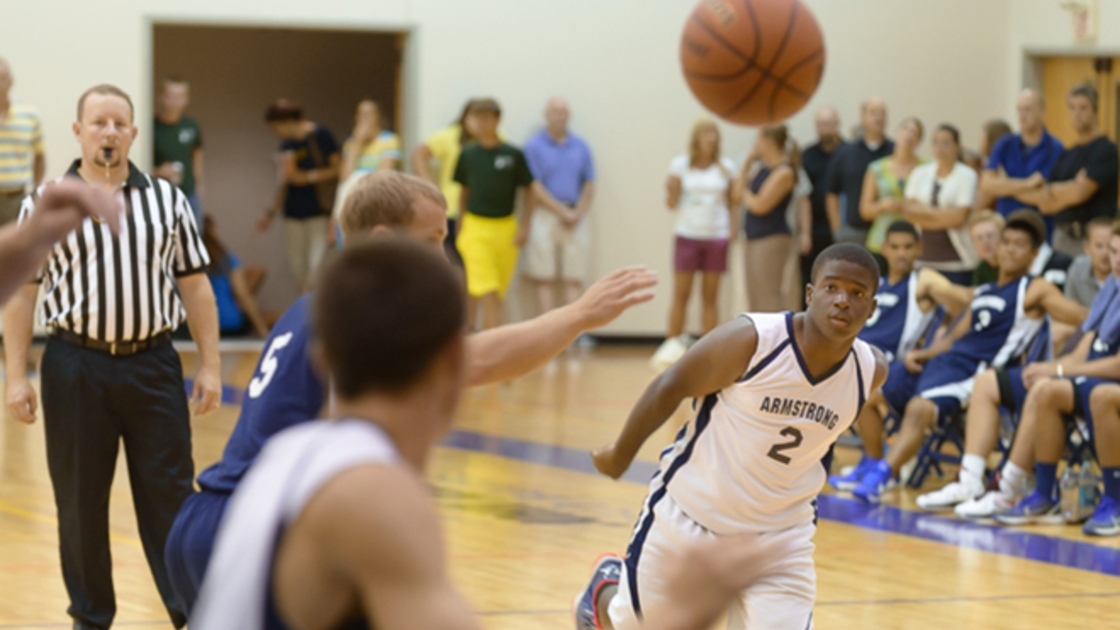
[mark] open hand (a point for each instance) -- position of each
(65, 204)
(608, 298)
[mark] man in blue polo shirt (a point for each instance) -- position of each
(1020, 162)
(559, 236)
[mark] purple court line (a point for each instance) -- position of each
(990, 538)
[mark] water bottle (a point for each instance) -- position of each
(1080, 492)
(1070, 493)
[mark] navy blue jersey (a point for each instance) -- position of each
(1104, 320)
(285, 391)
(898, 321)
(1000, 329)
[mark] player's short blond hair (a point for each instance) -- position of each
(384, 198)
(986, 215)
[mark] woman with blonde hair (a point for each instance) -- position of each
(884, 184)
(767, 184)
(370, 147)
(700, 190)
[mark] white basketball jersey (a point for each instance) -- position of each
(291, 469)
(750, 461)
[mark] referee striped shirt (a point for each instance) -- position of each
(119, 290)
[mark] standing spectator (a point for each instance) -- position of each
(772, 170)
(1083, 183)
(845, 179)
(445, 145)
(310, 163)
(1020, 162)
(939, 198)
(884, 184)
(177, 143)
(700, 189)
(990, 134)
(22, 159)
(814, 233)
(1089, 270)
(559, 238)
(491, 172)
(235, 287)
(984, 227)
(369, 148)
(109, 371)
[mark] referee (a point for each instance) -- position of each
(109, 371)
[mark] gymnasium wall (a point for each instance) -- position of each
(616, 60)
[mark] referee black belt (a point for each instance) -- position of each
(117, 349)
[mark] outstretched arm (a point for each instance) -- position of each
(510, 351)
(937, 287)
(715, 362)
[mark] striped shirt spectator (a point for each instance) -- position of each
(21, 149)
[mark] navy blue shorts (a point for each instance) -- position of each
(1012, 392)
(191, 541)
(946, 381)
(1083, 386)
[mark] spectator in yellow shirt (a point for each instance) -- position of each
(21, 149)
(445, 145)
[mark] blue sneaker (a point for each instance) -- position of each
(607, 571)
(849, 481)
(1033, 509)
(873, 484)
(1105, 520)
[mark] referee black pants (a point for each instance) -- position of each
(91, 402)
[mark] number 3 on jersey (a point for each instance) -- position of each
(268, 366)
(776, 450)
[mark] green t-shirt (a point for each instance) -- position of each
(492, 177)
(176, 143)
(984, 273)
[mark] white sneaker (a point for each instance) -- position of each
(987, 505)
(672, 349)
(950, 495)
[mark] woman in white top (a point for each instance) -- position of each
(699, 189)
(939, 197)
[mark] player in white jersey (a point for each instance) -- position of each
(333, 526)
(772, 393)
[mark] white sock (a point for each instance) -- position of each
(1011, 478)
(972, 471)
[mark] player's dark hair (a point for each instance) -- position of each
(283, 110)
(903, 227)
(1030, 223)
(1087, 91)
(848, 252)
(384, 310)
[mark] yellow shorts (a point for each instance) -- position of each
(488, 251)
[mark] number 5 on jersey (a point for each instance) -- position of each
(268, 366)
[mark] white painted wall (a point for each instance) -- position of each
(616, 60)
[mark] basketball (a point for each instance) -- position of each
(752, 62)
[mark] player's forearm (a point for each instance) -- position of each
(1107, 368)
(656, 405)
(507, 352)
(202, 317)
(18, 316)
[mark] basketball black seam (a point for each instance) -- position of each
(751, 64)
(749, 6)
(794, 68)
(778, 53)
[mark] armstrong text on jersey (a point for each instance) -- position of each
(800, 408)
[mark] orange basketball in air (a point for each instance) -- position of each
(752, 62)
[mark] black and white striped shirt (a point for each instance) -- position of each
(123, 289)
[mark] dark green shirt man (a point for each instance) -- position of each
(493, 176)
(175, 144)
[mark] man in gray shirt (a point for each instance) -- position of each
(1089, 270)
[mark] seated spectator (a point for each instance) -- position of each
(906, 300)
(984, 228)
(1083, 183)
(939, 198)
(370, 147)
(1008, 388)
(1020, 162)
(235, 287)
(884, 183)
(935, 383)
(1089, 270)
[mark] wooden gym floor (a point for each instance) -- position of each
(525, 519)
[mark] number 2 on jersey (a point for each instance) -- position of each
(776, 450)
(268, 366)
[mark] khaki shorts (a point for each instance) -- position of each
(555, 251)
